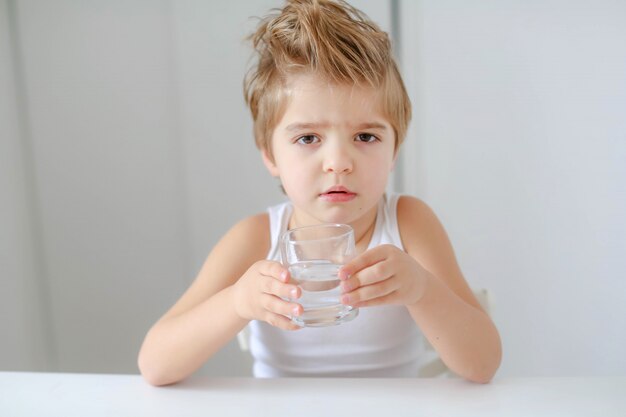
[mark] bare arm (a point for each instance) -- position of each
(427, 280)
(218, 304)
(448, 313)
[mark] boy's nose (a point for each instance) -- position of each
(337, 159)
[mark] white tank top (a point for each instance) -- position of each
(381, 341)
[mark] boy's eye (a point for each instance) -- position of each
(307, 140)
(366, 137)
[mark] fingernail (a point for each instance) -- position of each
(294, 293)
(283, 275)
(295, 311)
(343, 275)
(345, 299)
(345, 287)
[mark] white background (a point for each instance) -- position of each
(126, 152)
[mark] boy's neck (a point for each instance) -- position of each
(363, 232)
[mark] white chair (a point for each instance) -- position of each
(243, 337)
(433, 367)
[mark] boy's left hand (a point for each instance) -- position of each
(382, 275)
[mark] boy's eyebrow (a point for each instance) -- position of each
(294, 127)
(372, 126)
(305, 126)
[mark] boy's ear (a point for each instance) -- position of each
(269, 163)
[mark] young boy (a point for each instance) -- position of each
(330, 112)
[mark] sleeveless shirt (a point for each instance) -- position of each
(382, 341)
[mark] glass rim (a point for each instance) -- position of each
(349, 230)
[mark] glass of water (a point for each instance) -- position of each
(314, 255)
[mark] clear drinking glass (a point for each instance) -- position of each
(314, 255)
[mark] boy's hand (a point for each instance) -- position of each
(257, 295)
(382, 275)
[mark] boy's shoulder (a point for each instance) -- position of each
(417, 222)
(252, 227)
(409, 207)
(256, 221)
(250, 235)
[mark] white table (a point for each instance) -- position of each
(66, 395)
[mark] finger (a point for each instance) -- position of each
(368, 276)
(275, 305)
(364, 260)
(274, 270)
(281, 322)
(369, 292)
(271, 286)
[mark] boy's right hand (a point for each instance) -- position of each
(259, 293)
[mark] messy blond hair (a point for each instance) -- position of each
(332, 40)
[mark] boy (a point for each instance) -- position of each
(330, 112)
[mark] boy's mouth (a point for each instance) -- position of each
(338, 193)
(338, 189)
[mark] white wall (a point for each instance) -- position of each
(519, 143)
(98, 103)
(25, 340)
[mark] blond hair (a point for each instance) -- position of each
(332, 40)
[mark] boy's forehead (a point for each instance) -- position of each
(310, 94)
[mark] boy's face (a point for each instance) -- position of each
(333, 151)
